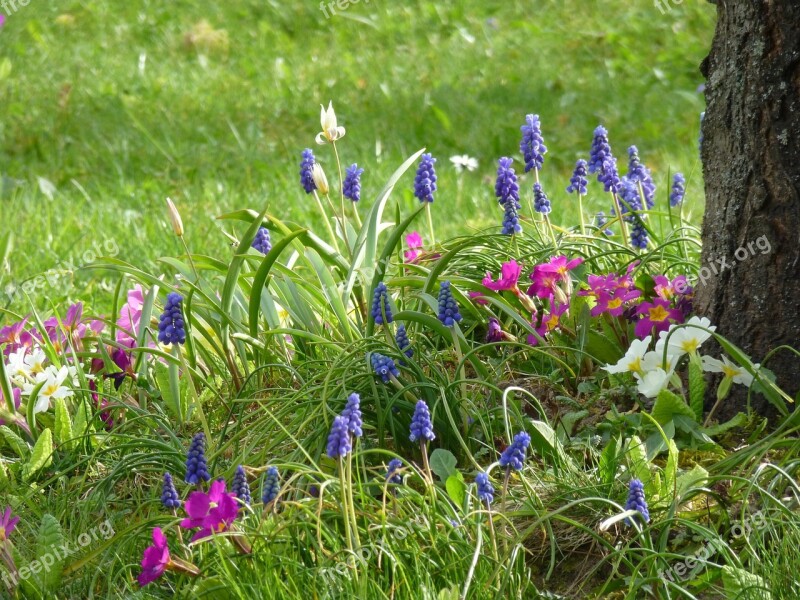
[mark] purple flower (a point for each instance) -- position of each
(352, 183)
(494, 333)
(448, 309)
(306, 165)
(540, 202)
(155, 560)
(421, 426)
(678, 190)
(485, 488)
(392, 475)
(639, 235)
(339, 438)
(639, 173)
(169, 495)
(513, 457)
(636, 501)
(630, 199)
(272, 485)
(196, 468)
(240, 487)
(380, 304)
(403, 343)
(425, 181)
(600, 222)
(532, 144)
(261, 242)
(600, 151)
(7, 524)
(609, 176)
(352, 412)
(578, 181)
(384, 366)
(511, 220)
(171, 327)
(506, 188)
(213, 512)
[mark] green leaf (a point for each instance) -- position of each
(167, 378)
(670, 470)
(443, 463)
(609, 460)
(5, 386)
(31, 407)
(739, 420)
(639, 467)
(743, 584)
(456, 488)
(41, 455)
(49, 541)
(63, 424)
(667, 405)
(4, 482)
(81, 424)
(697, 387)
(697, 476)
(452, 593)
(17, 444)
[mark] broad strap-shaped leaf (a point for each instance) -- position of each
(63, 424)
(697, 387)
(667, 405)
(41, 455)
(17, 444)
(48, 546)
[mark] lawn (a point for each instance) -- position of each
(266, 388)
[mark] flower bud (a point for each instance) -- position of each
(175, 217)
(319, 178)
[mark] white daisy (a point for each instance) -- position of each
(464, 162)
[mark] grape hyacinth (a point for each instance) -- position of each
(271, 486)
(578, 181)
(494, 332)
(392, 475)
(600, 151)
(169, 495)
(306, 165)
(448, 309)
(403, 343)
(261, 242)
(421, 426)
(506, 188)
(240, 487)
(196, 467)
(600, 222)
(511, 220)
(639, 235)
(352, 412)
(380, 304)
(630, 197)
(485, 488)
(384, 367)
(513, 457)
(171, 327)
(532, 145)
(639, 173)
(609, 176)
(339, 444)
(678, 190)
(636, 501)
(425, 181)
(351, 189)
(540, 202)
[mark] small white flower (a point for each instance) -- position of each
(53, 387)
(736, 373)
(464, 162)
(652, 382)
(685, 340)
(17, 368)
(632, 361)
(330, 129)
(655, 360)
(35, 361)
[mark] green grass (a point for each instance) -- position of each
(225, 130)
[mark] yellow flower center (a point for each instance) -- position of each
(2, 534)
(658, 314)
(615, 303)
(49, 390)
(689, 345)
(551, 322)
(730, 371)
(635, 365)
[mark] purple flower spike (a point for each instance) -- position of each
(532, 144)
(169, 495)
(678, 190)
(578, 181)
(421, 425)
(506, 188)
(352, 183)
(485, 488)
(425, 181)
(513, 457)
(306, 165)
(339, 439)
(636, 501)
(352, 412)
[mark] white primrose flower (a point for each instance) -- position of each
(632, 361)
(736, 373)
(330, 129)
(683, 340)
(651, 383)
(17, 368)
(35, 361)
(53, 387)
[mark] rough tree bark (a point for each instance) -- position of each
(751, 165)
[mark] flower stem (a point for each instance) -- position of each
(325, 220)
(623, 226)
(430, 223)
(423, 446)
(580, 209)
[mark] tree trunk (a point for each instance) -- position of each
(750, 270)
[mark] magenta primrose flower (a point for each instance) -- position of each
(157, 559)
(667, 290)
(7, 524)
(546, 276)
(130, 317)
(658, 315)
(213, 512)
(72, 329)
(15, 337)
(550, 321)
(509, 276)
(414, 242)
